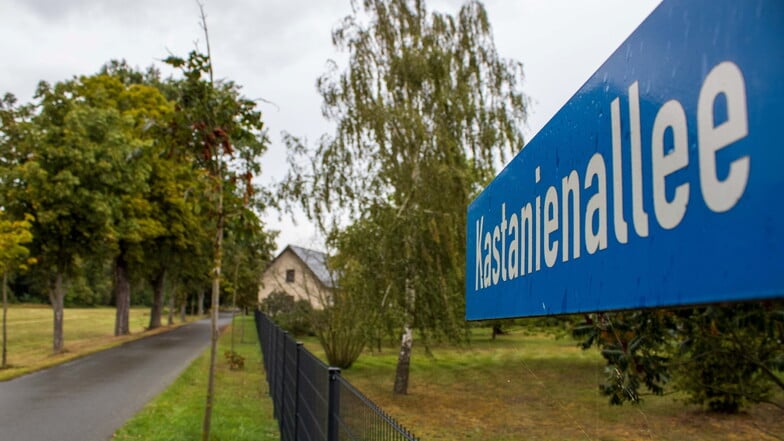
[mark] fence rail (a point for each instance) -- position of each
(312, 401)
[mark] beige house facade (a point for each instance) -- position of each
(301, 273)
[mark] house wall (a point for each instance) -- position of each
(304, 287)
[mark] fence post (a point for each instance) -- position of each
(300, 347)
(333, 405)
(282, 420)
(273, 372)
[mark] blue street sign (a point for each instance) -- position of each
(660, 183)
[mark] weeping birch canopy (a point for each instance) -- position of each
(424, 114)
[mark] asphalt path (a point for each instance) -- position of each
(90, 398)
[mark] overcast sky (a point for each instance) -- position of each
(276, 49)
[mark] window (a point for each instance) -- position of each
(290, 276)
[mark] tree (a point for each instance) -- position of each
(145, 113)
(82, 171)
(248, 250)
(729, 356)
(174, 189)
(13, 253)
(59, 180)
(223, 133)
(172, 194)
(425, 111)
(637, 346)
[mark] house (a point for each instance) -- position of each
(301, 273)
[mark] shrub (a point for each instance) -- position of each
(236, 361)
(295, 316)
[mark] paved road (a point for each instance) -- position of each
(89, 398)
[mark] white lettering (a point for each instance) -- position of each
(513, 247)
(503, 242)
(726, 78)
(550, 226)
(514, 254)
(570, 185)
(488, 247)
(496, 256)
(671, 116)
(639, 216)
(619, 223)
(596, 233)
(526, 238)
(479, 279)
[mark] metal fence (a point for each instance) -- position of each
(312, 401)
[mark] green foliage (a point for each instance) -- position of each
(248, 249)
(83, 173)
(719, 356)
(127, 168)
(731, 355)
(425, 111)
(15, 235)
(635, 345)
(218, 128)
(342, 328)
(294, 316)
(277, 303)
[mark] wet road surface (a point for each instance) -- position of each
(89, 398)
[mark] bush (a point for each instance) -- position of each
(294, 316)
(236, 361)
(342, 333)
(720, 356)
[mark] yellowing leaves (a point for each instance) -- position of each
(14, 235)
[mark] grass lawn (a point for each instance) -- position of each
(86, 330)
(243, 410)
(533, 387)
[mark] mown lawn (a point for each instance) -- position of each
(243, 409)
(534, 387)
(86, 330)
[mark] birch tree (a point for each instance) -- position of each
(425, 111)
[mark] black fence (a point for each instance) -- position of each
(311, 401)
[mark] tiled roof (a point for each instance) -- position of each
(317, 262)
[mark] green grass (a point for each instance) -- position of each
(526, 386)
(86, 330)
(243, 409)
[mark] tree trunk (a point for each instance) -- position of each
(172, 294)
(200, 304)
(158, 283)
(183, 310)
(122, 295)
(5, 316)
(242, 328)
(216, 276)
(404, 361)
(497, 331)
(57, 297)
(234, 305)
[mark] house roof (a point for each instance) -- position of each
(316, 261)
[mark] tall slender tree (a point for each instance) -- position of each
(425, 111)
(224, 133)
